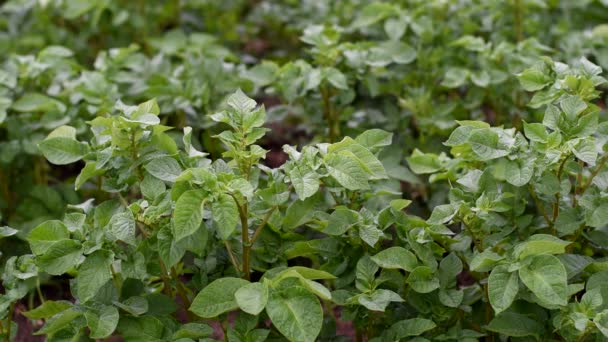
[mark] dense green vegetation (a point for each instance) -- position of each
(270, 170)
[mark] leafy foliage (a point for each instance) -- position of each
(423, 170)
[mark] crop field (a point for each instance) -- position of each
(303, 170)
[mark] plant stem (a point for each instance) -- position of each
(518, 21)
(330, 115)
(579, 183)
(594, 173)
(39, 291)
(489, 312)
(578, 232)
(135, 156)
(539, 205)
(261, 226)
(115, 278)
(182, 291)
(233, 260)
(163, 275)
(11, 312)
(244, 214)
(558, 195)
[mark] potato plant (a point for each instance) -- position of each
(315, 170)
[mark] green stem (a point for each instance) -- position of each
(579, 183)
(233, 259)
(558, 195)
(39, 291)
(163, 275)
(594, 173)
(539, 205)
(11, 312)
(115, 278)
(182, 291)
(330, 115)
(261, 226)
(244, 214)
(135, 156)
(489, 312)
(518, 21)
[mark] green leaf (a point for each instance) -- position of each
(340, 221)
(370, 234)
(135, 305)
(7, 231)
(451, 297)
(449, 269)
(366, 159)
(308, 273)
(601, 322)
(240, 102)
(164, 168)
(396, 258)
(36, 102)
(373, 13)
(104, 323)
(585, 150)
(533, 79)
(88, 171)
(60, 257)
(46, 234)
(502, 288)
(226, 215)
(335, 77)
(378, 299)
(484, 143)
(5, 104)
(540, 244)
(296, 313)
(470, 43)
(59, 322)
(536, 132)
(374, 138)
(48, 309)
(299, 213)
(93, 274)
(455, 77)
(572, 105)
(409, 327)
(598, 217)
(61, 147)
(77, 8)
(122, 227)
(395, 28)
(516, 325)
(423, 280)
(305, 181)
(546, 277)
(345, 169)
(141, 329)
(193, 331)
(151, 187)
(252, 298)
(519, 172)
(443, 213)
(422, 163)
(217, 297)
(170, 250)
(484, 261)
(316, 288)
(188, 214)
